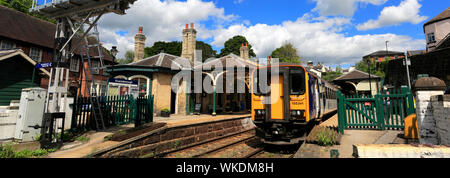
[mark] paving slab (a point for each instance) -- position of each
(96, 139)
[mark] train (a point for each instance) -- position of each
(286, 104)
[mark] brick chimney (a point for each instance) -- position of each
(244, 51)
(139, 45)
(189, 42)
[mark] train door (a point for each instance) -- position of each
(277, 97)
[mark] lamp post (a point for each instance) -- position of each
(114, 52)
(387, 51)
(370, 78)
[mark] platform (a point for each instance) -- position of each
(175, 122)
(183, 120)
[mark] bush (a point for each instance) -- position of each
(165, 110)
(323, 136)
(7, 151)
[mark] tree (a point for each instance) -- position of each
(23, 6)
(175, 48)
(376, 68)
(330, 76)
(207, 50)
(287, 53)
(233, 45)
(129, 57)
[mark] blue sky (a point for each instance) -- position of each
(329, 31)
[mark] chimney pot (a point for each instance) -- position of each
(187, 26)
(141, 29)
(192, 25)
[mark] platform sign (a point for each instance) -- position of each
(43, 65)
(123, 87)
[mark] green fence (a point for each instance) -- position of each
(116, 110)
(381, 112)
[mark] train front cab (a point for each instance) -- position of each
(289, 90)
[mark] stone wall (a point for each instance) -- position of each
(425, 119)
(441, 114)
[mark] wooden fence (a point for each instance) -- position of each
(116, 110)
(383, 111)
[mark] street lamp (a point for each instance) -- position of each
(114, 51)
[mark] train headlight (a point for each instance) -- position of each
(260, 114)
(298, 115)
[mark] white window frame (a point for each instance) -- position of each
(2, 42)
(75, 67)
(431, 40)
(39, 55)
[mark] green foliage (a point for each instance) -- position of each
(287, 53)
(326, 137)
(82, 139)
(207, 50)
(23, 6)
(66, 137)
(175, 48)
(129, 57)
(7, 151)
(233, 45)
(165, 110)
(376, 68)
(330, 76)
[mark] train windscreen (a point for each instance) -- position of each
(261, 82)
(297, 82)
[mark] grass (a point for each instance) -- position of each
(82, 139)
(109, 137)
(326, 137)
(7, 151)
(323, 136)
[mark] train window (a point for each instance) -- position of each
(261, 82)
(297, 82)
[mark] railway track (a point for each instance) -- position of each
(243, 144)
(207, 148)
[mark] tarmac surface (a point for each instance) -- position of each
(349, 138)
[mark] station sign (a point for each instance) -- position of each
(122, 81)
(43, 65)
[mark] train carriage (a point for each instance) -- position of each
(286, 100)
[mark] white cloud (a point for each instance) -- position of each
(162, 21)
(407, 11)
(316, 40)
(341, 7)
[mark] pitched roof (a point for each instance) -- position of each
(442, 16)
(383, 53)
(356, 75)
(230, 60)
(22, 27)
(444, 43)
(164, 60)
(26, 28)
(6, 54)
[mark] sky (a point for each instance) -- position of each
(334, 32)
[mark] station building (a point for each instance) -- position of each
(159, 76)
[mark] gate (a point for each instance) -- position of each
(116, 110)
(381, 112)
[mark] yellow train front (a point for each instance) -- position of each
(287, 100)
